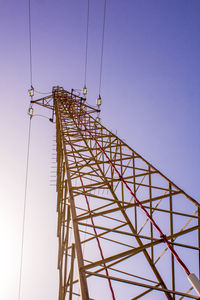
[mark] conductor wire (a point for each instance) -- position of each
(24, 209)
(30, 44)
(102, 48)
(27, 157)
(86, 44)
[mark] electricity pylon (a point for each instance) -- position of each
(108, 248)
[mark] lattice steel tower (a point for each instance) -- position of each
(108, 248)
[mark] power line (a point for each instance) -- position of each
(31, 92)
(102, 47)
(30, 44)
(86, 43)
(42, 93)
(24, 209)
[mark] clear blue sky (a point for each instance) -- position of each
(150, 92)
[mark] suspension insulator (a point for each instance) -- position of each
(31, 92)
(99, 101)
(84, 91)
(98, 119)
(30, 111)
(83, 108)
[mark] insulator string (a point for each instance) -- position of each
(102, 48)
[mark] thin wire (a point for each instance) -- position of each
(30, 44)
(41, 116)
(24, 210)
(86, 44)
(42, 93)
(28, 151)
(102, 47)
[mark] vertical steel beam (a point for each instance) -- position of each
(79, 254)
(72, 272)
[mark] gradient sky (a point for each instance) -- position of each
(150, 93)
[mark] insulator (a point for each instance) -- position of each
(31, 92)
(98, 119)
(99, 101)
(83, 108)
(84, 91)
(30, 111)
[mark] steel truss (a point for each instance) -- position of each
(108, 249)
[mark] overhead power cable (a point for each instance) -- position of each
(42, 93)
(30, 44)
(31, 93)
(86, 44)
(102, 47)
(24, 209)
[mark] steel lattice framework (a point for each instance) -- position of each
(108, 249)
